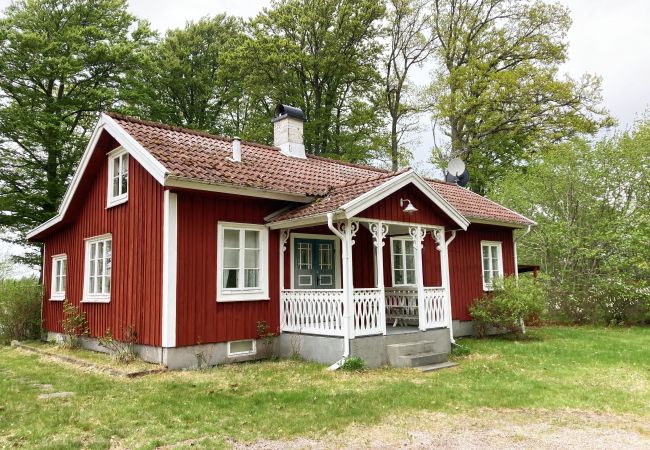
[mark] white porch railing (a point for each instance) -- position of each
(434, 307)
(367, 312)
(320, 311)
(312, 311)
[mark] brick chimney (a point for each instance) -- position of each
(287, 131)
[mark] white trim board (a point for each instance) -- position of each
(170, 272)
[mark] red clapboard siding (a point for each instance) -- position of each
(199, 317)
(136, 227)
(465, 270)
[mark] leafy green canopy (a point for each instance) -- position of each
(591, 204)
(497, 93)
(60, 63)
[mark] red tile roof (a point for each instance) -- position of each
(203, 157)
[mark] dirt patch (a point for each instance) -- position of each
(485, 429)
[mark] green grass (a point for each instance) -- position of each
(604, 370)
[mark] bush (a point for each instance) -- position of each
(354, 364)
(121, 351)
(460, 350)
(20, 309)
(508, 305)
(74, 325)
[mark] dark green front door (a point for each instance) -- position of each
(314, 264)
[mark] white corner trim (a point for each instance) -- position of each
(170, 249)
(382, 191)
(157, 170)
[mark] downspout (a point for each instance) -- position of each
(514, 245)
(346, 312)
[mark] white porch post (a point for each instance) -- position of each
(348, 229)
(417, 234)
(439, 236)
(379, 231)
(284, 236)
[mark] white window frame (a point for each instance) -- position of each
(253, 350)
(114, 200)
(490, 286)
(241, 294)
(54, 294)
(93, 297)
(392, 262)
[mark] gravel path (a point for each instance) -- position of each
(487, 429)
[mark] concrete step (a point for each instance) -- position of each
(421, 359)
(409, 348)
(432, 367)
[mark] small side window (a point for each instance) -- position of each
(241, 348)
(118, 177)
(59, 271)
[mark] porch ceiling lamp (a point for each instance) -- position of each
(409, 208)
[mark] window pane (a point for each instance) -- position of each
(92, 268)
(62, 289)
(125, 173)
(64, 267)
(231, 258)
(304, 255)
(252, 239)
(100, 267)
(325, 256)
(486, 251)
(410, 277)
(231, 238)
(93, 250)
(409, 247)
(91, 284)
(410, 262)
(397, 262)
(251, 259)
(252, 278)
(107, 284)
(230, 278)
(397, 247)
(399, 277)
(487, 277)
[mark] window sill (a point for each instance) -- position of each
(242, 297)
(96, 300)
(57, 299)
(117, 201)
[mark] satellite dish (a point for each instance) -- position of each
(456, 172)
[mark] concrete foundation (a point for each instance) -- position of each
(372, 349)
(463, 328)
(189, 357)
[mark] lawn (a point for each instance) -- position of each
(596, 370)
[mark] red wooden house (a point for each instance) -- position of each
(192, 239)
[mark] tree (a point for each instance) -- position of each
(411, 44)
(497, 94)
(190, 78)
(320, 55)
(60, 63)
(590, 203)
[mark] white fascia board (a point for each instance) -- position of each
(499, 223)
(141, 155)
(188, 183)
(354, 207)
(318, 219)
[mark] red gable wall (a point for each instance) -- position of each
(136, 228)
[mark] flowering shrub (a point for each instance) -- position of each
(508, 305)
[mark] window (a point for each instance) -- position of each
(97, 279)
(403, 261)
(492, 263)
(59, 270)
(240, 348)
(118, 177)
(242, 262)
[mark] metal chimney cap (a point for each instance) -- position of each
(282, 111)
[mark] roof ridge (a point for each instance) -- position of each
(351, 164)
(380, 176)
(164, 126)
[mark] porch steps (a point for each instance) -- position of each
(432, 367)
(416, 354)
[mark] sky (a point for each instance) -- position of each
(608, 38)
